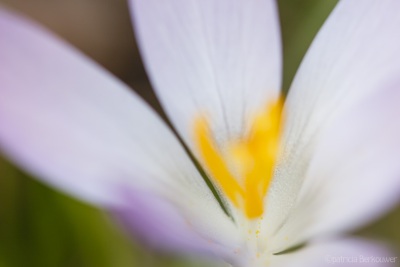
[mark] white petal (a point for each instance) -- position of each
(353, 176)
(71, 123)
(346, 252)
(355, 54)
(220, 58)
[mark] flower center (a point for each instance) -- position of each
(245, 172)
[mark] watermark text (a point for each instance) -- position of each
(359, 259)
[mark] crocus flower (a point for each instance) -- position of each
(259, 175)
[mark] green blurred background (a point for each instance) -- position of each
(40, 227)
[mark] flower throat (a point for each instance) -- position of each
(253, 157)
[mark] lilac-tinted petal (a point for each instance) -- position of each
(219, 58)
(76, 127)
(158, 224)
(340, 253)
(354, 55)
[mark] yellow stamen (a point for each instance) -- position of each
(254, 156)
(215, 163)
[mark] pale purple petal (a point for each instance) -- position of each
(69, 122)
(158, 223)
